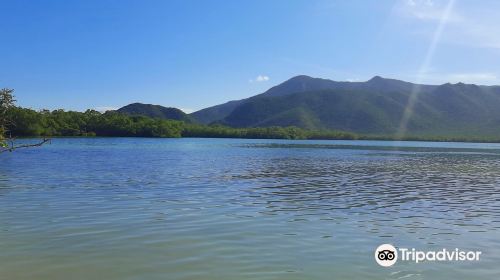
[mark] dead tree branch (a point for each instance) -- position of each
(11, 145)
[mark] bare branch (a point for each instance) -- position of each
(11, 147)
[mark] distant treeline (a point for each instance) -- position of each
(30, 123)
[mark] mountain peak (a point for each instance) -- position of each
(154, 111)
(300, 78)
(376, 79)
(342, 105)
(298, 84)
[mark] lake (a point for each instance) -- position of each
(136, 208)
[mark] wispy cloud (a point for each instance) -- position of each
(473, 78)
(470, 25)
(105, 108)
(353, 80)
(187, 110)
(260, 78)
(479, 78)
(426, 10)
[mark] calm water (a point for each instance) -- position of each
(127, 208)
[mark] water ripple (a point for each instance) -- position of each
(110, 208)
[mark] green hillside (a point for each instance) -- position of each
(376, 107)
(155, 111)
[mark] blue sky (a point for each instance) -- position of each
(193, 54)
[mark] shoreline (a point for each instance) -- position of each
(361, 138)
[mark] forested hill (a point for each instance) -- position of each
(302, 83)
(372, 107)
(155, 111)
(375, 107)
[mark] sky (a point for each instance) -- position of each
(104, 54)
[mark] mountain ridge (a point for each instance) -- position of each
(376, 106)
(155, 111)
(299, 83)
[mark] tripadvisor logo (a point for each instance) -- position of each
(387, 255)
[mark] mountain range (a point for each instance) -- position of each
(375, 107)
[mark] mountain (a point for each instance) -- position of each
(296, 84)
(215, 113)
(376, 106)
(155, 111)
(301, 83)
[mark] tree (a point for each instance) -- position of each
(7, 102)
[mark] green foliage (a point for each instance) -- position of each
(155, 111)
(273, 132)
(6, 102)
(376, 107)
(27, 122)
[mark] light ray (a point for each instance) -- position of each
(412, 99)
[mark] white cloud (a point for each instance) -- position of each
(413, 3)
(468, 25)
(353, 80)
(473, 78)
(437, 78)
(105, 108)
(187, 110)
(260, 78)
(426, 10)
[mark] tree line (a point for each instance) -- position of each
(30, 123)
(23, 122)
